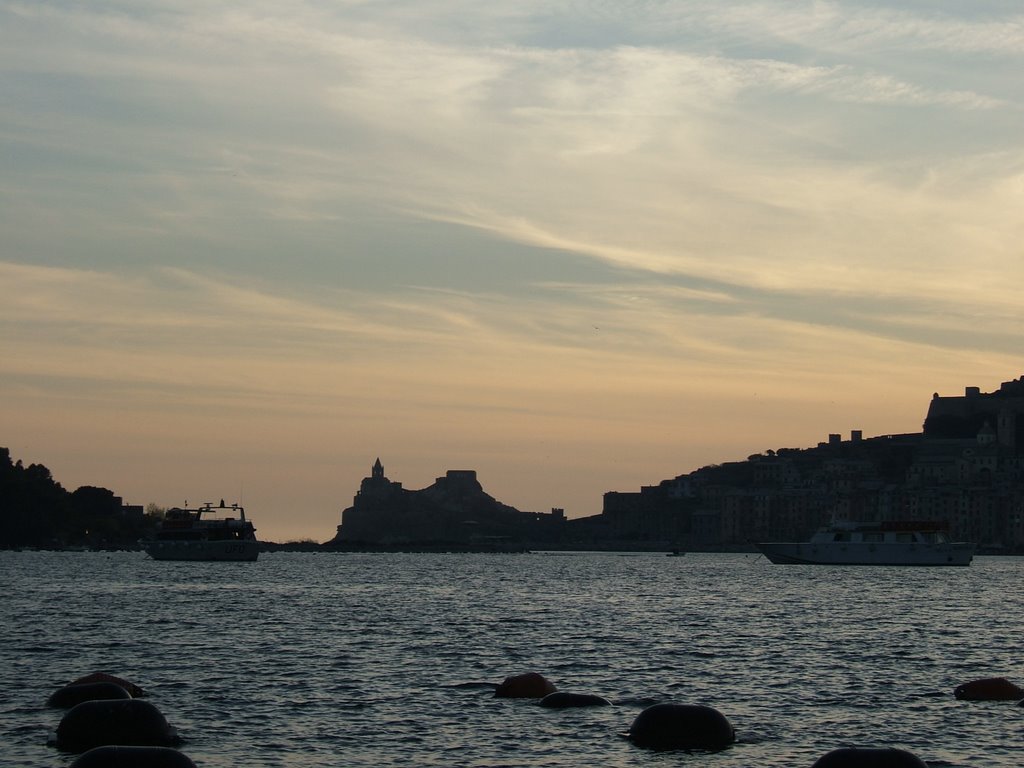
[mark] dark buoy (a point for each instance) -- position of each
(103, 677)
(133, 757)
(564, 700)
(989, 689)
(70, 695)
(856, 757)
(132, 723)
(681, 726)
(528, 686)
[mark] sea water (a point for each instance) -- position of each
(385, 659)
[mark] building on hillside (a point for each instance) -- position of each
(965, 469)
(964, 416)
(454, 511)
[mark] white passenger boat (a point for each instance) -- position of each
(885, 543)
(204, 533)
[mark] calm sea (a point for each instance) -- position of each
(364, 660)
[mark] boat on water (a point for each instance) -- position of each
(207, 532)
(885, 543)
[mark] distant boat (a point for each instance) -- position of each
(205, 533)
(676, 553)
(885, 543)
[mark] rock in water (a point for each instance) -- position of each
(681, 726)
(564, 700)
(103, 677)
(528, 686)
(131, 722)
(856, 757)
(70, 695)
(133, 757)
(989, 689)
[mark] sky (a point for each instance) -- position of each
(248, 248)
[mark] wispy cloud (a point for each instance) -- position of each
(200, 322)
(845, 27)
(320, 114)
(563, 218)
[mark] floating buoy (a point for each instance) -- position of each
(103, 677)
(989, 689)
(133, 757)
(76, 693)
(857, 757)
(681, 726)
(564, 700)
(531, 685)
(131, 722)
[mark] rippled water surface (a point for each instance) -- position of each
(365, 660)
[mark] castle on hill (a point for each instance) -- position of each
(997, 413)
(965, 469)
(454, 511)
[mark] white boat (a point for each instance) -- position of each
(885, 543)
(205, 533)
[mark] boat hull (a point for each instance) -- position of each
(220, 551)
(803, 553)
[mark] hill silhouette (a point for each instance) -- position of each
(38, 512)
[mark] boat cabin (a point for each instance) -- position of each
(893, 532)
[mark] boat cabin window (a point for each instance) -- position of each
(874, 536)
(904, 538)
(842, 536)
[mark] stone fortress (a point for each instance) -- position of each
(965, 469)
(454, 511)
(996, 415)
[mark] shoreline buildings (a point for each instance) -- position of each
(966, 469)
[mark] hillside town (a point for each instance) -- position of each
(965, 469)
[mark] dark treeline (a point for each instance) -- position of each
(36, 511)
